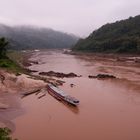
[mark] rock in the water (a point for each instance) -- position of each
(102, 76)
(137, 60)
(59, 74)
(3, 106)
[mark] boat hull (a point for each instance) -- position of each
(60, 97)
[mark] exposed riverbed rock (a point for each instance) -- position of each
(102, 76)
(59, 74)
(11, 83)
(29, 70)
(3, 106)
(29, 63)
(137, 60)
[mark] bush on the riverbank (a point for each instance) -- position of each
(4, 134)
(5, 61)
(3, 47)
(9, 65)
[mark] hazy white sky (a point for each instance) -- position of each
(79, 17)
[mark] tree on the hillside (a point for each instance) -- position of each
(3, 45)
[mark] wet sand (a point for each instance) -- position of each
(108, 110)
(11, 89)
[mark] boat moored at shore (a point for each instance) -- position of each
(60, 95)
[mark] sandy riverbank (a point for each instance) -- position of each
(11, 88)
(10, 83)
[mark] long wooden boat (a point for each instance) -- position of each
(60, 95)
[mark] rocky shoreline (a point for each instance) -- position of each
(59, 74)
(13, 83)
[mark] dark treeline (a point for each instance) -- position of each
(3, 47)
(119, 37)
(27, 37)
(5, 61)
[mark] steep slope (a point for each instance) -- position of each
(27, 37)
(121, 37)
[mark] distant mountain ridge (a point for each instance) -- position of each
(28, 37)
(119, 37)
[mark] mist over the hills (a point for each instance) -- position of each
(31, 37)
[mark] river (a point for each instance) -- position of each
(108, 109)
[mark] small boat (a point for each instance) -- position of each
(60, 95)
(36, 50)
(66, 51)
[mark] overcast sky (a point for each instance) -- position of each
(79, 17)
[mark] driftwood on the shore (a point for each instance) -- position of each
(31, 92)
(102, 76)
(42, 96)
(59, 74)
(4, 106)
(128, 59)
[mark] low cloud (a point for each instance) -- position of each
(74, 16)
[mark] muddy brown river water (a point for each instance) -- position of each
(108, 110)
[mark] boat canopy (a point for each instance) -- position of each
(57, 90)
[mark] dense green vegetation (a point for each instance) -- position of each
(5, 61)
(3, 45)
(119, 37)
(10, 65)
(4, 134)
(26, 37)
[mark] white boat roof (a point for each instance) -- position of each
(57, 90)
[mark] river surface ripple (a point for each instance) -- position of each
(108, 110)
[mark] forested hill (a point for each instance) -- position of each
(26, 37)
(119, 37)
